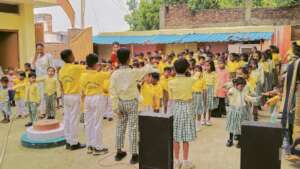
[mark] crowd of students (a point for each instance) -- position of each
(192, 86)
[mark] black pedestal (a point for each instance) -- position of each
(156, 141)
(261, 145)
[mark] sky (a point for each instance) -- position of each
(102, 15)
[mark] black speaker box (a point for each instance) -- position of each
(261, 145)
(156, 141)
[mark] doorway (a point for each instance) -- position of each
(9, 49)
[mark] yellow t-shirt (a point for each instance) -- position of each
(105, 89)
(276, 58)
(266, 66)
(52, 86)
(4, 95)
(147, 94)
(32, 93)
(69, 76)
(91, 82)
(210, 78)
(20, 91)
(199, 85)
(233, 66)
(161, 66)
(180, 88)
(157, 95)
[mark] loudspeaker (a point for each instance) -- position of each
(261, 145)
(156, 141)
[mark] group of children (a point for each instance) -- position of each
(191, 86)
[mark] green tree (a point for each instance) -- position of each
(145, 16)
(132, 4)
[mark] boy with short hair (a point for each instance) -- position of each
(32, 98)
(91, 83)
(69, 76)
(125, 102)
(51, 92)
(4, 100)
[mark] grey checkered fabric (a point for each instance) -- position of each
(184, 121)
(198, 103)
(235, 117)
(212, 102)
(50, 105)
(129, 108)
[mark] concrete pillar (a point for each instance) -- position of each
(162, 15)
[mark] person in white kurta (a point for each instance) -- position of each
(41, 62)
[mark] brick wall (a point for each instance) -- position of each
(181, 17)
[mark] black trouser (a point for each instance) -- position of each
(221, 110)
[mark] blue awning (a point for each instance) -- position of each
(186, 38)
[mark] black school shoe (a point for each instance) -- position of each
(134, 159)
(100, 152)
(28, 124)
(229, 143)
(120, 155)
(68, 146)
(238, 145)
(77, 146)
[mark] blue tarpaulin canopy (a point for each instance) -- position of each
(185, 38)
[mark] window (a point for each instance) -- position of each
(9, 8)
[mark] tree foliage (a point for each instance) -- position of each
(146, 16)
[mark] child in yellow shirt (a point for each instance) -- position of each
(233, 64)
(52, 92)
(157, 92)
(32, 98)
(91, 83)
(164, 80)
(20, 94)
(198, 95)
(180, 90)
(147, 94)
(69, 75)
(211, 100)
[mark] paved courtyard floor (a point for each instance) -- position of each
(207, 152)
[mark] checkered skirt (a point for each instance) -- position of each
(198, 103)
(184, 128)
(212, 102)
(235, 117)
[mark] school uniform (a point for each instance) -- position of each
(268, 78)
(5, 102)
(147, 95)
(107, 112)
(52, 91)
(180, 90)
(239, 108)
(198, 96)
(157, 96)
(91, 83)
(20, 97)
(32, 100)
(164, 84)
(211, 101)
(232, 67)
(124, 94)
(69, 76)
